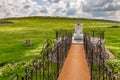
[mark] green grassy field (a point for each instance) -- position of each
(13, 53)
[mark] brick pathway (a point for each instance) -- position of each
(75, 66)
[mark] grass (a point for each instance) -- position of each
(37, 29)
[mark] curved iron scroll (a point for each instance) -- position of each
(48, 64)
(96, 56)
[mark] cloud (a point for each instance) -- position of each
(101, 9)
(106, 9)
(52, 1)
(71, 11)
(16, 8)
(43, 10)
(101, 5)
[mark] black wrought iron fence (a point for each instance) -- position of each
(48, 65)
(97, 57)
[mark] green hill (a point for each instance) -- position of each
(15, 31)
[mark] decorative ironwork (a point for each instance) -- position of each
(96, 56)
(48, 65)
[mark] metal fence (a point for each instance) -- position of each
(97, 57)
(48, 65)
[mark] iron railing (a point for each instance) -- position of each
(48, 65)
(97, 57)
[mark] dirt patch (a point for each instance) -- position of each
(114, 27)
(6, 22)
(2, 64)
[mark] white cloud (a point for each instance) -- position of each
(102, 9)
(16, 8)
(105, 9)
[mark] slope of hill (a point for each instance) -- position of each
(13, 53)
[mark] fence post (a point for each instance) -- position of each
(57, 59)
(92, 63)
(22, 78)
(57, 35)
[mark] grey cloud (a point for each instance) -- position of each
(67, 4)
(34, 12)
(101, 5)
(43, 10)
(71, 11)
(52, 1)
(112, 7)
(99, 14)
(57, 9)
(27, 6)
(105, 9)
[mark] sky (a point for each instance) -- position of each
(97, 9)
